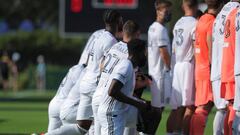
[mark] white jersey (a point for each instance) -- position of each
(124, 73)
(157, 37)
(88, 46)
(218, 39)
(184, 38)
(116, 53)
(100, 47)
(237, 48)
(69, 81)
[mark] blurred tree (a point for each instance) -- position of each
(38, 11)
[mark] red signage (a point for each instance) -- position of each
(76, 6)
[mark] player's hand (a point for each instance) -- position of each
(144, 106)
(142, 80)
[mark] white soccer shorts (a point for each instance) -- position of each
(183, 85)
(219, 102)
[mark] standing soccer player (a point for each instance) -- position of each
(158, 54)
(131, 30)
(203, 53)
(182, 98)
(217, 44)
(236, 105)
(227, 71)
(118, 90)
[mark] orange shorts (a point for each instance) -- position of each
(203, 92)
(228, 90)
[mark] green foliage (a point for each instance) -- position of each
(55, 49)
(54, 76)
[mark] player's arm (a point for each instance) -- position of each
(209, 43)
(165, 56)
(115, 92)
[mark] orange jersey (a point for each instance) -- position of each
(203, 29)
(228, 57)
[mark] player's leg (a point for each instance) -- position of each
(187, 119)
(204, 103)
(54, 123)
(236, 106)
(221, 104)
(186, 75)
(111, 124)
(53, 114)
(97, 128)
(218, 124)
(236, 124)
(229, 119)
(179, 120)
(131, 121)
(69, 129)
(199, 119)
(85, 112)
(170, 124)
(227, 91)
(158, 99)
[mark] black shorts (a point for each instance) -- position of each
(4, 71)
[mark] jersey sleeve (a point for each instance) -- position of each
(162, 39)
(122, 72)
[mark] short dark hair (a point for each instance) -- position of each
(191, 3)
(159, 4)
(136, 46)
(213, 4)
(130, 28)
(111, 17)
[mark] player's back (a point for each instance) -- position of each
(123, 72)
(100, 47)
(218, 39)
(157, 37)
(88, 46)
(183, 38)
(203, 28)
(227, 74)
(69, 81)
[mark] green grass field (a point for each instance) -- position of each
(21, 117)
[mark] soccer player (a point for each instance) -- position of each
(63, 90)
(66, 85)
(236, 105)
(182, 98)
(227, 70)
(159, 55)
(131, 30)
(217, 43)
(118, 90)
(88, 83)
(203, 45)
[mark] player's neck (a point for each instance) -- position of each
(126, 39)
(189, 13)
(160, 20)
(212, 11)
(112, 31)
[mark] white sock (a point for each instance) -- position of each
(218, 124)
(70, 129)
(236, 124)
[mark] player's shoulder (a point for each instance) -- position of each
(97, 32)
(125, 64)
(186, 21)
(107, 37)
